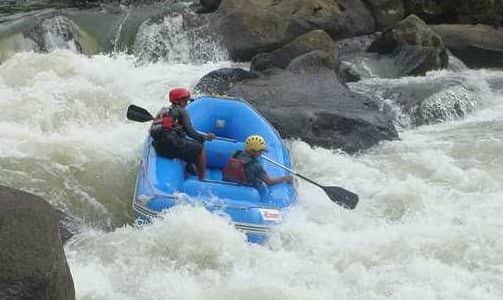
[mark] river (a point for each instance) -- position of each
(428, 224)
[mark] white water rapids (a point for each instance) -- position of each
(428, 224)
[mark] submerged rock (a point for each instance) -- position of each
(33, 260)
(414, 102)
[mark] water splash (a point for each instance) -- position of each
(58, 33)
(64, 135)
(182, 37)
(119, 28)
(430, 203)
(440, 96)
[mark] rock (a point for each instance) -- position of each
(431, 100)
(459, 12)
(220, 81)
(251, 27)
(313, 40)
(415, 47)
(33, 260)
(430, 11)
(386, 12)
(478, 46)
(68, 226)
(317, 108)
(178, 36)
(312, 62)
(347, 73)
(57, 32)
(210, 5)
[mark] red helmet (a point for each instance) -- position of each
(176, 95)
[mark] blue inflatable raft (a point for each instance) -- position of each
(163, 183)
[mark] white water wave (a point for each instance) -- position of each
(428, 224)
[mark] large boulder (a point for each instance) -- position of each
(311, 104)
(33, 263)
(415, 46)
(478, 46)
(251, 27)
(313, 40)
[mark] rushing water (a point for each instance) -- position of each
(428, 225)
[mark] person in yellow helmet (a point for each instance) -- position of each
(245, 168)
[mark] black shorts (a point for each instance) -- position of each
(171, 145)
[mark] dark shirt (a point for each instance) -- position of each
(254, 171)
(182, 117)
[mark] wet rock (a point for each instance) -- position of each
(414, 46)
(478, 46)
(458, 12)
(68, 226)
(33, 260)
(313, 40)
(431, 100)
(317, 108)
(251, 27)
(210, 5)
(220, 81)
(312, 62)
(386, 12)
(57, 32)
(178, 36)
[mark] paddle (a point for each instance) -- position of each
(337, 194)
(138, 114)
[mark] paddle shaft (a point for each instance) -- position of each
(291, 171)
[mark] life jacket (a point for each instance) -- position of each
(234, 169)
(165, 122)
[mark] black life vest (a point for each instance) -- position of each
(234, 169)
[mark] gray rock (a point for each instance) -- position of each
(210, 5)
(251, 27)
(416, 48)
(312, 62)
(33, 260)
(478, 46)
(457, 12)
(386, 12)
(218, 82)
(313, 40)
(317, 108)
(68, 226)
(431, 100)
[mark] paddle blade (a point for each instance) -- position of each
(341, 196)
(138, 114)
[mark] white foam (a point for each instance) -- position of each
(428, 224)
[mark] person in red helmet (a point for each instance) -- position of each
(169, 129)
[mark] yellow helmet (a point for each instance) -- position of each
(255, 143)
